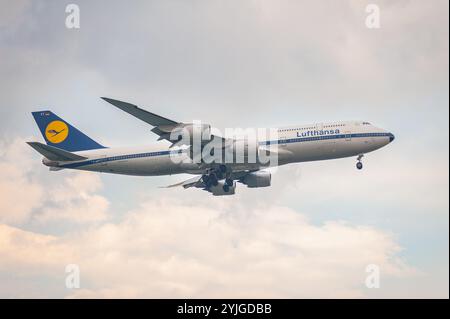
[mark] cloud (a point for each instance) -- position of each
(185, 247)
(161, 249)
(268, 63)
(388, 177)
(289, 55)
(20, 192)
(29, 196)
(74, 200)
(24, 250)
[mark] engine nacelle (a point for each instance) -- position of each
(192, 131)
(49, 163)
(220, 191)
(257, 179)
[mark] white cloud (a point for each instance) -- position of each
(162, 249)
(28, 196)
(74, 200)
(187, 246)
(20, 192)
(33, 252)
(304, 60)
(388, 179)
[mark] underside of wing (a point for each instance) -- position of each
(192, 182)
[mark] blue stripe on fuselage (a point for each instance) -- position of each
(163, 153)
(325, 137)
(119, 158)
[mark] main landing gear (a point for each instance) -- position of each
(212, 178)
(359, 164)
(228, 183)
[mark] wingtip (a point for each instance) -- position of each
(109, 100)
(120, 104)
(114, 101)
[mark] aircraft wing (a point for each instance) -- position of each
(162, 126)
(146, 116)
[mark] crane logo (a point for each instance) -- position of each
(56, 132)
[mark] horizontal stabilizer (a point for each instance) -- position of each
(54, 153)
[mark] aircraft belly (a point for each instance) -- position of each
(153, 166)
(313, 150)
(331, 149)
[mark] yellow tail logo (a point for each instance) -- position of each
(56, 132)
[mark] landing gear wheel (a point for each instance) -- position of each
(214, 181)
(226, 188)
(359, 164)
(210, 180)
(229, 182)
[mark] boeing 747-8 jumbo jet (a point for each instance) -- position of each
(185, 144)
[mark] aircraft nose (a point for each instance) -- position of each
(391, 137)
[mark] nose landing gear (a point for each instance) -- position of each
(359, 164)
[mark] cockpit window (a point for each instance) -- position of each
(366, 123)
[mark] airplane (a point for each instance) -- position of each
(68, 148)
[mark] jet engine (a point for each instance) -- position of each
(257, 179)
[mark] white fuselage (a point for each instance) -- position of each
(294, 144)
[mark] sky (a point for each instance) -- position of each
(254, 63)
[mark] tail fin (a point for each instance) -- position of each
(58, 133)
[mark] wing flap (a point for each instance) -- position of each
(195, 181)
